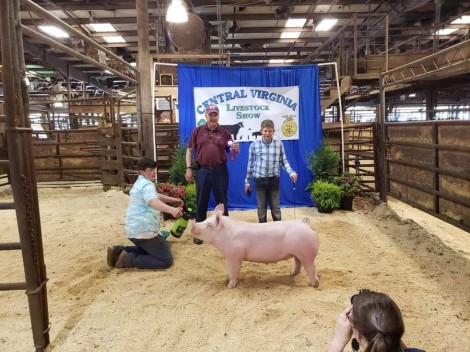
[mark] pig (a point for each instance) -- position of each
(261, 243)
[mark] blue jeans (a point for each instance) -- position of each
(210, 180)
(267, 192)
(151, 253)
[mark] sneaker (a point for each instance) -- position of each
(198, 241)
(112, 256)
(122, 260)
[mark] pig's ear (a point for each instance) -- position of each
(218, 220)
(219, 207)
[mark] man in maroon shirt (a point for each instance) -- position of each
(209, 143)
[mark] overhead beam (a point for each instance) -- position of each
(67, 70)
(211, 18)
(112, 5)
(256, 30)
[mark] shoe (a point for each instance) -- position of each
(198, 241)
(112, 256)
(122, 260)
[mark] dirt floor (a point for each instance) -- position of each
(188, 307)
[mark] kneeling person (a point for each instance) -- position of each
(151, 251)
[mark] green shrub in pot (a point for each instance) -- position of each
(327, 196)
(178, 165)
(323, 162)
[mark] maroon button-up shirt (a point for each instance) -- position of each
(210, 145)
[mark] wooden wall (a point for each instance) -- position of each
(428, 166)
(67, 155)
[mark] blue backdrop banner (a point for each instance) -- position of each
(310, 128)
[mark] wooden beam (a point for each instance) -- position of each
(145, 113)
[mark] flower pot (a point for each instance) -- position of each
(324, 210)
(346, 202)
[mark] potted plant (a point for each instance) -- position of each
(350, 187)
(177, 169)
(323, 162)
(326, 196)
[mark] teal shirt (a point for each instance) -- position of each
(142, 218)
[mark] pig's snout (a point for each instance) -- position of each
(195, 229)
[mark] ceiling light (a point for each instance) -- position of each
(176, 12)
(326, 24)
(446, 31)
(462, 20)
(296, 22)
(54, 31)
(276, 61)
(290, 35)
(102, 27)
(115, 39)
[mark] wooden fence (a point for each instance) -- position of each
(67, 155)
(428, 166)
(360, 157)
(108, 154)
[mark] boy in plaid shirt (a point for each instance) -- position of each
(265, 157)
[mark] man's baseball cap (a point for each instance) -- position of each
(212, 108)
(146, 163)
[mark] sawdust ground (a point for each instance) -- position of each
(93, 307)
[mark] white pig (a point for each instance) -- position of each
(262, 243)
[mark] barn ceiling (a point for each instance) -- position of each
(251, 31)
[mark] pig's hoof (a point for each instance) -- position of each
(315, 284)
(232, 284)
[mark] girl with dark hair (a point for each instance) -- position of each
(374, 322)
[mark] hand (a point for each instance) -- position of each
(177, 212)
(293, 177)
(189, 175)
(343, 332)
(247, 189)
(179, 203)
(236, 147)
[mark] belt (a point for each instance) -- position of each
(266, 178)
(208, 166)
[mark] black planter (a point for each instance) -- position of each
(324, 210)
(346, 203)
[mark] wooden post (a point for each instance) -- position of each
(22, 171)
(381, 139)
(431, 103)
(145, 106)
(436, 174)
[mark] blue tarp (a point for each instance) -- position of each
(306, 77)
